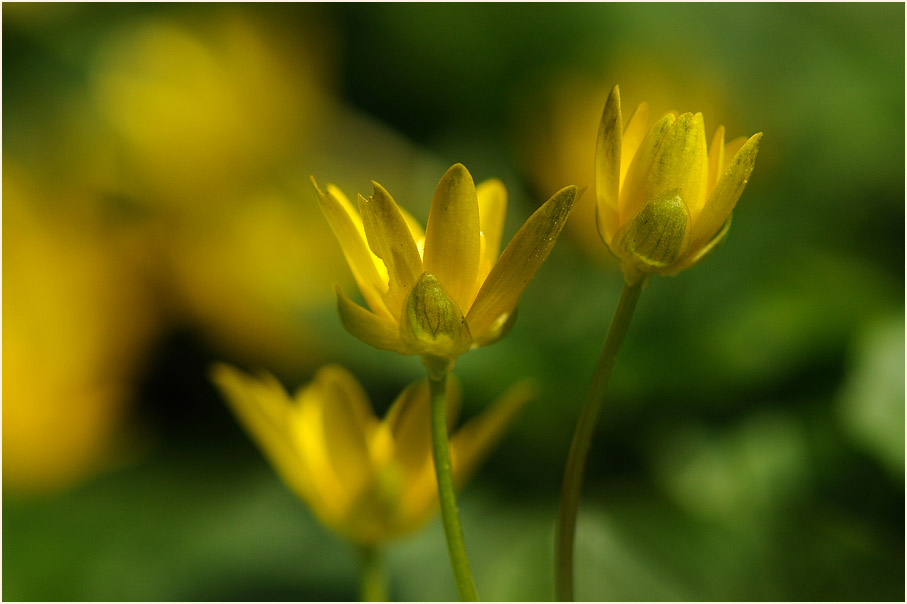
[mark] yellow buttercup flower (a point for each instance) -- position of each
(664, 201)
(369, 479)
(442, 291)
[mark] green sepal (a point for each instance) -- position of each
(432, 324)
(658, 236)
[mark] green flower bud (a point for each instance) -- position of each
(432, 324)
(657, 236)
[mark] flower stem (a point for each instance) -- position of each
(582, 439)
(449, 513)
(372, 581)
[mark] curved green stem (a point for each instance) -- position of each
(372, 581)
(582, 439)
(449, 513)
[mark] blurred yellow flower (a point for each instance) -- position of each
(76, 322)
(663, 200)
(369, 479)
(200, 107)
(439, 292)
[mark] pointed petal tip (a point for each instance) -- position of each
(319, 193)
(457, 173)
(612, 103)
(572, 192)
(750, 147)
(333, 372)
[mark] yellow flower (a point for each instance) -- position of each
(439, 292)
(368, 479)
(663, 200)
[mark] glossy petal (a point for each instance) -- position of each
(347, 227)
(375, 331)
(727, 191)
(492, 197)
(607, 165)
(519, 262)
(472, 443)
(497, 330)
(390, 239)
(452, 235)
(263, 408)
(631, 195)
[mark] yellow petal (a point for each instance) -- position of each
(633, 189)
(390, 238)
(519, 262)
(331, 498)
(346, 224)
(730, 150)
(375, 331)
(702, 192)
(677, 166)
(697, 256)
(716, 158)
(607, 165)
(633, 135)
(353, 213)
(492, 196)
(472, 443)
(497, 330)
(263, 409)
(727, 191)
(347, 420)
(415, 229)
(410, 421)
(452, 235)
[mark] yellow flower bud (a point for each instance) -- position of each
(663, 200)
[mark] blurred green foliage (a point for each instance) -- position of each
(751, 445)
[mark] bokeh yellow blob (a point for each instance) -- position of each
(75, 320)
